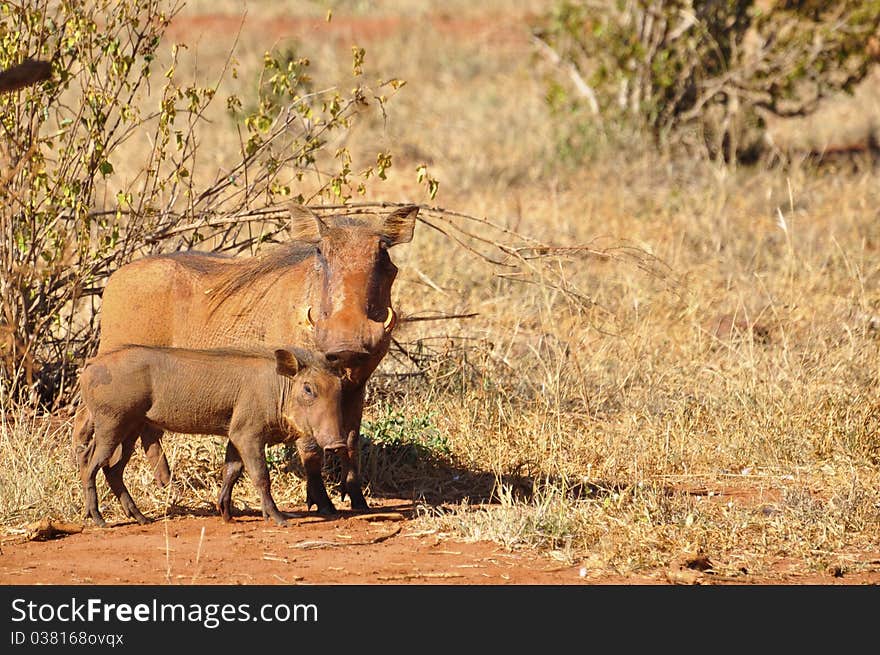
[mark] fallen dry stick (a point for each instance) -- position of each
(46, 529)
(309, 545)
(414, 576)
(379, 516)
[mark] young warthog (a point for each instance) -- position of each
(253, 398)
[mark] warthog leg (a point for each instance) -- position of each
(353, 410)
(83, 443)
(104, 445)
(81, 437)
(312, 457)
(150, 442)
(113, 474)
(252, 451)
(350, 467)
(232, 471)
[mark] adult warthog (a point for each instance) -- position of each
(328, 289)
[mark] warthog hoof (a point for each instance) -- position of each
(359, 505)
(329, 510)
(356, 496)
(323, 503)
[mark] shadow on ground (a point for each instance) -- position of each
(411, 471)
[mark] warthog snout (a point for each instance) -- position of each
(339, 446)
(350, 357)
(345, 340)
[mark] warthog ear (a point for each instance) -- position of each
(286, 363)
(400, 223)
(305, 225)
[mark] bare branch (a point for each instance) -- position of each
(437, 317)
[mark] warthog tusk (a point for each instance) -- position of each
(390, 320)
(309, 318)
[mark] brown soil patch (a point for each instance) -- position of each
(350, 549)
(346, 31)
(388, 548)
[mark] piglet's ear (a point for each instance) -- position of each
(286, 362)
(400, 223)
(305, 225)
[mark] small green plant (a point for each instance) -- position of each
(397, 451)
(411, 439)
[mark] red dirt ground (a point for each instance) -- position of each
(350, 549)
(486, 29)
(386, 548)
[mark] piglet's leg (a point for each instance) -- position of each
(105, 444)
(232, 471)
(83, 443)
(251, 449)
(90, 493)
(114, 475)
(152, 445)
(312, 457)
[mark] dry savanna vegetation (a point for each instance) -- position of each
(630, 354)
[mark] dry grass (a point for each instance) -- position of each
(622, 425)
